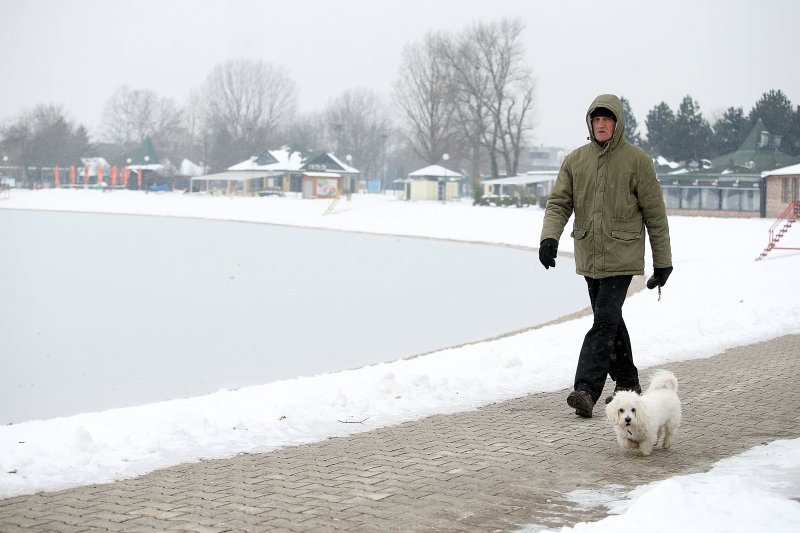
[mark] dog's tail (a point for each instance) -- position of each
(663, 379)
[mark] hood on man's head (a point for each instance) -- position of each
(603, 112)
(607, 103)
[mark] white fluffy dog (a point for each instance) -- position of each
(640, 421)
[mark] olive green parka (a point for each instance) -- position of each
(613, 191)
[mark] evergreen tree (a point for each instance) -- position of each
(775, 110)
(692, 134)
(44, 137)
(729, 131)
(631, 126)
(791, 144)
(660, 124)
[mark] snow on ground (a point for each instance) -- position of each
(749, 492)
(718, 297)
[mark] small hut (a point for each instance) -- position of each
(434, 182)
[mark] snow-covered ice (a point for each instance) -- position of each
(189, 307)
(718, 297)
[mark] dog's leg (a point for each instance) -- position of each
(622, 439)
(645, 447)
(669, 430)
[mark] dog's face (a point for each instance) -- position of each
(624, 409)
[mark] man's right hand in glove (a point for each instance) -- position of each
(548, 250)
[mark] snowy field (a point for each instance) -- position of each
(718, 297)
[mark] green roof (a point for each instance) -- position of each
(752, 156)
(323, 161)
(147, 154)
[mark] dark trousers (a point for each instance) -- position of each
(606, 348)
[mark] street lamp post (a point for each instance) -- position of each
(445, 158)
(349, 159)
(4, 186)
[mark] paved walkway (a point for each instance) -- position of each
(494, 469)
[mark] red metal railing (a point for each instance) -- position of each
(787, 218)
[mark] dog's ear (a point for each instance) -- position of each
(642, 418)
(612, 411)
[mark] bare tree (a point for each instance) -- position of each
(358, 125)
(194, 137)
(130, 115)
(500, 54)
(424, 94)
(306, 132)
(495, 89)
(245, 102)
(469, 87)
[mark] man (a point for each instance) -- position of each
(611, 187)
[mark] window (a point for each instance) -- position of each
(690, 198)
(709, 198)
(672, 197)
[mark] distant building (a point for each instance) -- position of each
(542, 158)
(434, 182)
(729, 185)
(146, 170)
(276, 172)
(759, 151)
(536, 184)
(326, 176)
(782, 188)
(273, 171)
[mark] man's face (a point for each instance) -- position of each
(603, 128)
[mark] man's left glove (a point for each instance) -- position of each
(548, 250)
(659, 277)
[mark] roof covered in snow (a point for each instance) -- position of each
(283, 160)
(526, 179)
(328, 162)
(793, 170)
(189, 168)
(435, 171)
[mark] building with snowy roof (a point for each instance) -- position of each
(271, 172)
(326, 176)
(782, 187)
(728, 185)
(434, 182)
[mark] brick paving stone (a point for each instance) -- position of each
(491, 469)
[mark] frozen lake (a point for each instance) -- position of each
(102, 311)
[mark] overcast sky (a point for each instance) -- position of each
(721, 52)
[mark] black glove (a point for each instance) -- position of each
(659, 277)
(548, 250)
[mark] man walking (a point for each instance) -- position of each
(611, 187)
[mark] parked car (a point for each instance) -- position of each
(272, 191)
